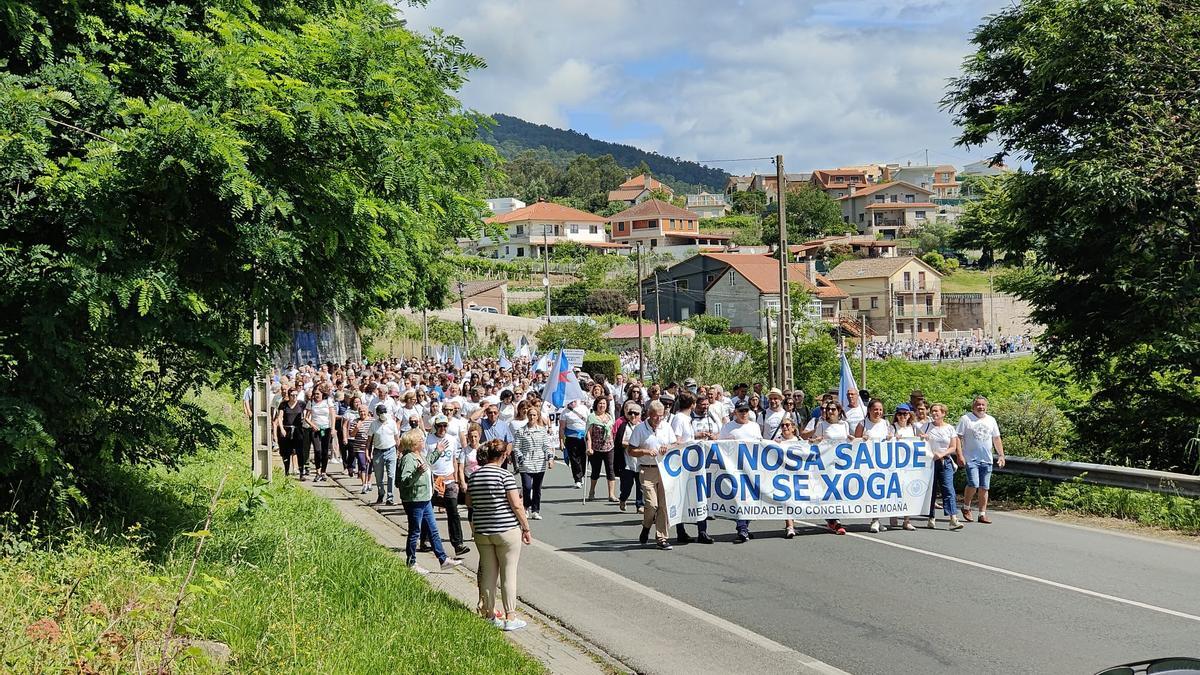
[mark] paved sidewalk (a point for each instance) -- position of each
(556, 647)
(586, 618)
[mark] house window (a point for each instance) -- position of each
(894, 199)
(557, 230)
(593, 229)
(681, 285)
(506, 251)
(860, 217)
(716, 309)
(879, 198)
(921, 282)
(929, 303)
(683, 314)
(874, 302)
(910, 199)
(708, 279)
(907, 281)
(931, 328)
(919, 215)
(520, 229)
(574, 229)
(853, 303)
(520, 251)
(653, 243)
(845, 219)
(732, 278)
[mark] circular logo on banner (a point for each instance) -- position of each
(916, 488)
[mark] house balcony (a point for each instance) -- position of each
(918, 313)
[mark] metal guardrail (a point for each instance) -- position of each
(1163, 482)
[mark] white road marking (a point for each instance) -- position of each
(678, 605)
(1020, 575)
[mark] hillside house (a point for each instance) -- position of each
(637, 190)
(657, 224)
(888, 209)
(901, 297)
(531, 231)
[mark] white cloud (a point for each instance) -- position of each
(824, 83)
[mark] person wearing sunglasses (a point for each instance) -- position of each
(831, 427)
(742, 427)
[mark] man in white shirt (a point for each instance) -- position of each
(773, 415)
(650, 439)
(742, 428)
(979, 433)
(856, 412)
(383, 438)
(682, 425)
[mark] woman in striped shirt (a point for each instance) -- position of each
(534, 456)
(496, 515)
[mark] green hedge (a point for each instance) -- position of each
(595, 363)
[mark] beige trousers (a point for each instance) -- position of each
(655, 496)
(498, 556)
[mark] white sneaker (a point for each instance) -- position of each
(450, 563)
(536, 515)
(363, 491)
(514, 624)
(875, 527)
(931, 523)
(498, 623)
(419, 570)
(579, 485)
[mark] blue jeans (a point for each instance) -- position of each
(385, 465)
(943, 482)
(743, 526)
(420, 519)
(979, 475)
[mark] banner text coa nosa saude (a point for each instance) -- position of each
(774, 481)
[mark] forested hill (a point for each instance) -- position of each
(513, 135)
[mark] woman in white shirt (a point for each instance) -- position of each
(320, 417)
(902, 428)
(874, 427)
(945, 446)
(832, 426)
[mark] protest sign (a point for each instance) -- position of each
(774, 481)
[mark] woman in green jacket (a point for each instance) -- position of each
(416, 493)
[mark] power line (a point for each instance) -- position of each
(726, 161)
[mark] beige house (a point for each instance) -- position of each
(901, 297)
(637, 190)
(748, 288)
(656, 224)
(888, 209)
(531, 231)
(707, 205)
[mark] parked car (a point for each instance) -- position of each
(484, 308)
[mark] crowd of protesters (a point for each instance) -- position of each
(955, 348)
(438, 437)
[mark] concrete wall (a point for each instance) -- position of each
(975, 312)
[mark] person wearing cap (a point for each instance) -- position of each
(631, 416)
(690, 385)
(651, 438)
(742, 428)
(442, 452)
(383, 438)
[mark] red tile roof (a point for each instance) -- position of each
(824, 177)
(604, 244)
(763, 272)
(871, 189)
(702, 235)
(639, 182)
(547, 211)
(653, 208)
(629, 331)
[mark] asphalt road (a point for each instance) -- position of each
(1022, 595)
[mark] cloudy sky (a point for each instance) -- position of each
(825, 83)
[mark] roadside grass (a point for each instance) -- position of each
(282, 580)
(966, 281)
(1170, 512)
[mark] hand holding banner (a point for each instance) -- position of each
(796, 479)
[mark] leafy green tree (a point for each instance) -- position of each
(569, 300)
(935, 236)
(810, 213)
(605, 301)
(171, 171)
(572, 334)
(1098, 97)
(748, 203)
(569, 251)
(708, 324)
(985, 220)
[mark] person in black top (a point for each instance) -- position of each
(289, 429)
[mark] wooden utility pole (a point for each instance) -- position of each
(770, 353)
(260, 424)
(640, 309)
(546, 269)
(424, 333)
(862, 352)
(657, 312)
(462, 305)
(784, 381)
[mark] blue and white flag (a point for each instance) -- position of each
(523, 348)
(457, 359)
(440, 354)
(561, 384)
(543, 364)
(505, 364)
(847, 382)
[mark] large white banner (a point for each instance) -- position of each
(799, 480)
